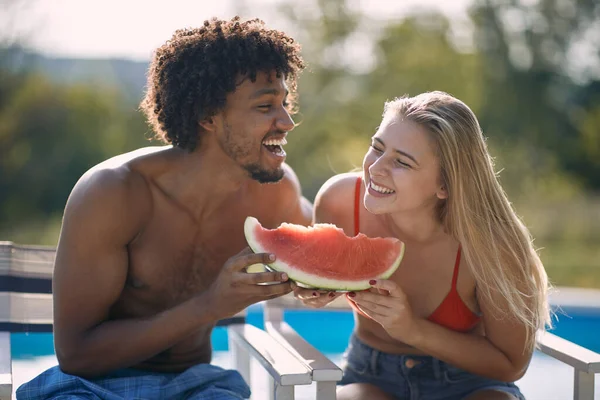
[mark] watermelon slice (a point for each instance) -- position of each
(323, 257)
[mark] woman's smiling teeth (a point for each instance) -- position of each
(275, 145)
(381, 189)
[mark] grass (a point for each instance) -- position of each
(567, 235)
(43, 232)
(572, 263)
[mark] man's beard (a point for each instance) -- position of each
(238, 150)
(262, 175)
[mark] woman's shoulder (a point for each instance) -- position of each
(340, 184)
(334, 202)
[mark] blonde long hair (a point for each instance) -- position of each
(496, 244)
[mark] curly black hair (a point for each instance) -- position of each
(192, 73)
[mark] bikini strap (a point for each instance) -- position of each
(357, 206)
(456, 265)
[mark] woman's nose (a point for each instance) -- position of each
(378, 168)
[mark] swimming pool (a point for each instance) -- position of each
(546, 379)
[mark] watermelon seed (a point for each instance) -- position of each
(372, 282)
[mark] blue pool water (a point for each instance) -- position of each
(580, 325)
(546, 378)
(330, 330)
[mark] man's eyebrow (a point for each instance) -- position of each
(271, 91)
(405, 154)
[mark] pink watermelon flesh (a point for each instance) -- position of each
(323, 256)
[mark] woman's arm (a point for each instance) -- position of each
(500, 354)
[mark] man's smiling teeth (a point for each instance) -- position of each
(381, 189)
(275, 142)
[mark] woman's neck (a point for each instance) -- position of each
(415, 227)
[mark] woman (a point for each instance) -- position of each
(458, 319)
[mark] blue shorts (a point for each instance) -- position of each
(200, 382)
(414, 377)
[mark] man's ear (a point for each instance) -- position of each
(208, 124)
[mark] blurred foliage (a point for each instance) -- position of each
(49, 135)
(542, 65)
(529, 69)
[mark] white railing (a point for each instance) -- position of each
(285, 370)
(585, 362)
(5, 367)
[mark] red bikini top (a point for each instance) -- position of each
(452, 313)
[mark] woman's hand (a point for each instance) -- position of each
(313, 297)
(387, 304)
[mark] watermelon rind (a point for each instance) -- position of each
(314, 281)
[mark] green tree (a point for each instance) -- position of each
(49, 136)
(543, 92)
(342, 101)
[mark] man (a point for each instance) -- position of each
(146, 262)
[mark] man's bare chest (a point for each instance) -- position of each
(177, 257)
(174, 261)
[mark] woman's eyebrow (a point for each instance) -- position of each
(405, 154)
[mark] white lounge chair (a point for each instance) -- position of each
(26, 306)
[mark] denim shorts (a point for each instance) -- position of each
(408, 377)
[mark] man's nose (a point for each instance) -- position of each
(284, 121)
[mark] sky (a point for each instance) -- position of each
(134, 28)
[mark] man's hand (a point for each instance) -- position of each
(235, 289)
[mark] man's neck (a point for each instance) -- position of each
(204, 179)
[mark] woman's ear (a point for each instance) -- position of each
(442, 193)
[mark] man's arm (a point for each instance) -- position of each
(105, 211)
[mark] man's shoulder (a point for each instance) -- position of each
(115, 199)
(283, 201)
(290, 180)
(106, 181)
(116, 181)
(134, 157)
(124, 170)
